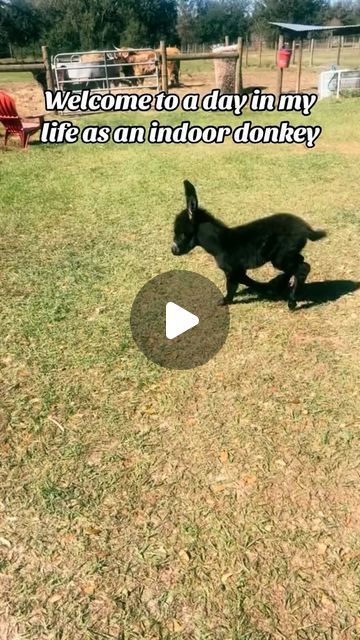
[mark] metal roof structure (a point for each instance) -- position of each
(303, 29)
(291, 31)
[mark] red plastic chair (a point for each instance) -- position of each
(14, 124)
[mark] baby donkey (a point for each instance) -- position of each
(278, 239)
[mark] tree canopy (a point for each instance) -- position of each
(72, 25)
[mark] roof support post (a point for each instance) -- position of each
(298, 79)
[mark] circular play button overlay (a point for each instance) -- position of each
(176, 320)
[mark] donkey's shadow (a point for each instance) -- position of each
(311, 294)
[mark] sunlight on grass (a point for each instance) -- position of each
(143, 503)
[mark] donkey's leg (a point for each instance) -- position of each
(279, 285)
(252, 284)
(294, 267)
(300, 276)
(231, 287)
(234, 278)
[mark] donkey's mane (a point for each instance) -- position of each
(204, 216)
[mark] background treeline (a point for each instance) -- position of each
(70, 25)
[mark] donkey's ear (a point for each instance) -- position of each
(191, 199)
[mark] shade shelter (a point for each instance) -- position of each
(292, 31)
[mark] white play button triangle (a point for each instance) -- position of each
(178, 320)
(157, 322)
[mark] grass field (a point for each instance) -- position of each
(215, 504)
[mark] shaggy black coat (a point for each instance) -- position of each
(278, 239)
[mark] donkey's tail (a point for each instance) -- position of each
(316, 234)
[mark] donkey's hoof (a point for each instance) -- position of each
(292, 305)
(223, 302)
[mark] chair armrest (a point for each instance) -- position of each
(39, 117)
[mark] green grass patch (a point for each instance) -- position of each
(15, 76)
(141, 503)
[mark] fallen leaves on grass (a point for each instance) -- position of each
(184, 556)
(174, 625)
(224, 457)
(4, 542)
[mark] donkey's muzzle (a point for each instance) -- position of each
(175, 249)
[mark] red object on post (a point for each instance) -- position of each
(14, 124)
(283, 58)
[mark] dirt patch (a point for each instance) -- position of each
(203, 83)
(30, 100)
(28, 95)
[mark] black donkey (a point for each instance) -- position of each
(278, 239)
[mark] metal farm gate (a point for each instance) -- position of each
(115, 69)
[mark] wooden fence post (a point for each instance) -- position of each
(312, 52)
(279, 71)
(260, 51)
(164, 76)
(226, 41)
(339, 50)
(48, 70)
(247, 51)
(238, 67)
(293, 54)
